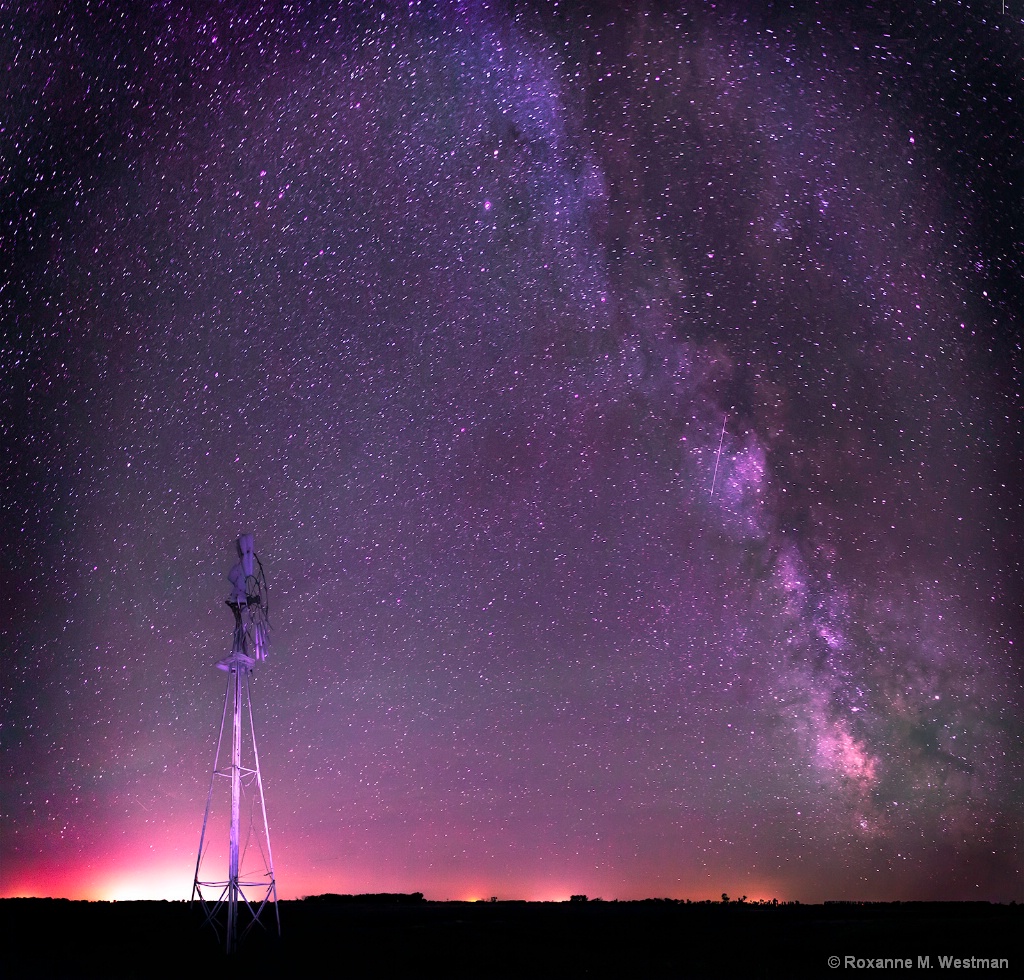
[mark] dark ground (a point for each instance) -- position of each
(47, 938)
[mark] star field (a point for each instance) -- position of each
(626, 402)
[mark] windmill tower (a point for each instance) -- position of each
(234, 905)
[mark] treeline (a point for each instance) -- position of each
(375, 898)
(772, 902)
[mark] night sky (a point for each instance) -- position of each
(453, 306)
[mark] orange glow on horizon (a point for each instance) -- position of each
(170, 882)
(167, 882)
(140, 874)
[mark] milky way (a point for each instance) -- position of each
(626, 403)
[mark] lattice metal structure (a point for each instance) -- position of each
(235, 905)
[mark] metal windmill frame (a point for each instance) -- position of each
(250, 886)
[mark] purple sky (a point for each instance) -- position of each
(449, 309)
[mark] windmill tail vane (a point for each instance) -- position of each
(249, 601)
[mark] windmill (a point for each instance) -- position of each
(235, 904)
